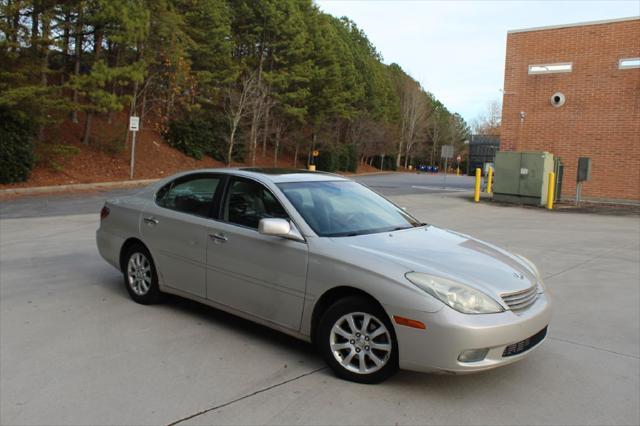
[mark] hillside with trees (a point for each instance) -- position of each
(235, 81)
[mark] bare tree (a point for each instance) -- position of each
(279, 129)
(488, 122)
(413, 113)
(237, 106)
(77, 53)
(434, 133)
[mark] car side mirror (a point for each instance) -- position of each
(279, 228)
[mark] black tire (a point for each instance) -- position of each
(339, 312)
(152, 294)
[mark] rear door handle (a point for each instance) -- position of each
(218, 237)
(151, 220)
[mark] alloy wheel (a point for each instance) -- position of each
(360, 342)
(139, 273)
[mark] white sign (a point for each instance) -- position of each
(134, 123)
(447, 151)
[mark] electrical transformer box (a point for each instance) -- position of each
(522, 177)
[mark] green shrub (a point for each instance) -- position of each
(16, 147)
(350, 163)
(111, 141)
(328, 160)
(389, 162)
(56, 155)
(342, 158)
(201, 134)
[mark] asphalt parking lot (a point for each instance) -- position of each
(75, 350)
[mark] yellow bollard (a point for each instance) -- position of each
(476, 195)
(312, 167)
(490, 181)
(551, 190)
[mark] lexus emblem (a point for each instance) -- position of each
(518, 275)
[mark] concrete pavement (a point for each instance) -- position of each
(75, 350)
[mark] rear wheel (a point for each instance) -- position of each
(357, 340)
(140, 276)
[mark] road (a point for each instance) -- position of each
(75, 350)
(386, 184)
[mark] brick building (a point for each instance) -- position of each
(593, 68)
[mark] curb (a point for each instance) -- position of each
(76, 186)
(34, 190)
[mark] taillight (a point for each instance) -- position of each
(104, 212)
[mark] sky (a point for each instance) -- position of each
(456, 49)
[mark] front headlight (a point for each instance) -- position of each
(536, 272)
(460, 297)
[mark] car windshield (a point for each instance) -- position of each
(345, 208)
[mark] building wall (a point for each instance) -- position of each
(601, 116)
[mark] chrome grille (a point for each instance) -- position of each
(520, 299)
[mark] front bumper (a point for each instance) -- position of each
(448, 333)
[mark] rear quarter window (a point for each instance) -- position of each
(191, 194)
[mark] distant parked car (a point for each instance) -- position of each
(327, 260)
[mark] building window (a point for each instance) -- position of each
(550, 68)
(626, 63)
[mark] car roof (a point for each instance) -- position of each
(276, 175)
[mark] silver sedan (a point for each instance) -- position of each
(327, 260)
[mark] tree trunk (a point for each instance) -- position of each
(132, 112)
(14, 22)
(253, 132)
(44, 66)
(312, 146)
(257, 112)
(97, 49)
(98, 37)
(232, 137)
(87, 128)
(143, 107)
(35, 22)
(276, 147)
(66, 36)
(265, 133)
(113, 86)
(295, 157)
(76, 65)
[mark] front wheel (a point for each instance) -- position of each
(357, 340)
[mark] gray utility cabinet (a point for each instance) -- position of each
(522, 177)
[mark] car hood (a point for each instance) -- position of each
(448, 254)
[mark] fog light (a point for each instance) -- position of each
(473, 355)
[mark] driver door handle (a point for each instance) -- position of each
(219, 237)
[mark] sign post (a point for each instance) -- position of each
(312, 165)
(134, 126)
(446, 153)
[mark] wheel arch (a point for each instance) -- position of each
(331, 296)
(129, 242)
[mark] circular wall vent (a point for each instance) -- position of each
(558, 99)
